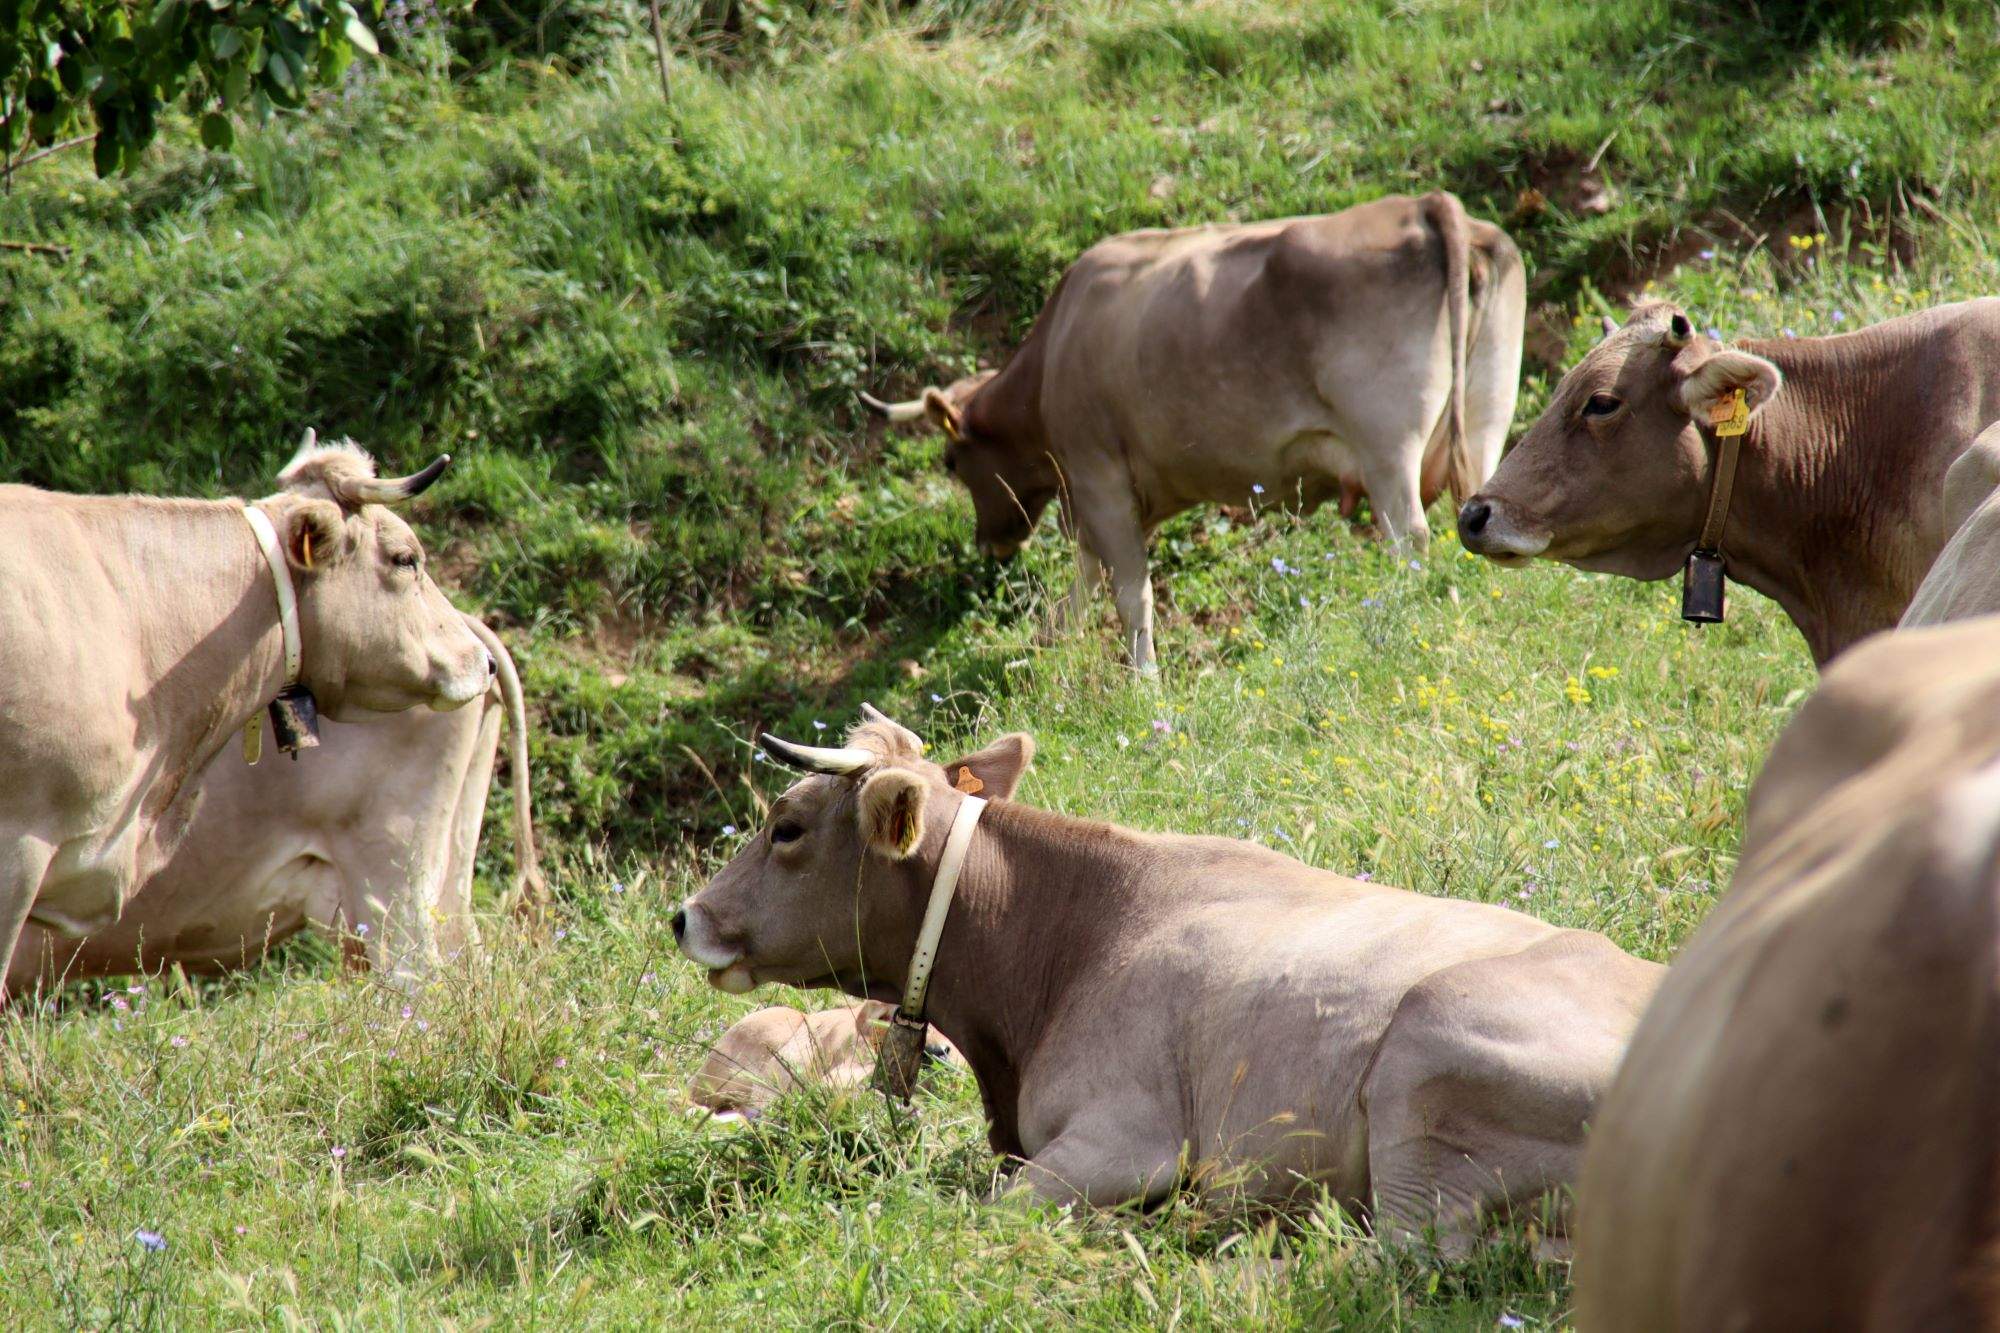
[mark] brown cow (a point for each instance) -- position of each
(1806, 1131)
(1143, 1008)
(1965, 580)
(777, 1050)
(1271, 363)
(370, 838)
(1835, 513)
(139, 635)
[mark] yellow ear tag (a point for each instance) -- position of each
(969, 783)
(306, 548)
(950, 429)
(1731, 416)
(253, 741)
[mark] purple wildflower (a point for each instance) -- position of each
(152, 1240)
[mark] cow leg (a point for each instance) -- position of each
(1478, 1096)
(23, 863)
(1112, 530)
(1068, 613)
(1393, 476)
(1102, 1162)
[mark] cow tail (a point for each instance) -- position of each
(1447, 215)
(531, 891)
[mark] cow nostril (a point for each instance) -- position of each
(680, 923)
(1472, 519)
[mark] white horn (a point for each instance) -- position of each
(817, 758)
(893, 412)
(311, 438)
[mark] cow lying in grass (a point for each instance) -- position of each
(777, 1050)
(1146, 1009)
(1807, 1133)
(371, 838)
(1836, 507)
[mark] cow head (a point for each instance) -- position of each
(378, 635)
(1011, 479)
(1614, 475)
(830, 892)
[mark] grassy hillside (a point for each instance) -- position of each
(640, 327)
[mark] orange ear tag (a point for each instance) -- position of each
(306, 548)
(968, 782)
(1730, 416)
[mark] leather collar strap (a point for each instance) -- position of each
(1728, 448)
(281, 574)
(956, 844)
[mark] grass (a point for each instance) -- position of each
(640, 327)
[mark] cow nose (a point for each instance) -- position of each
(1472, 519)
(680, 924)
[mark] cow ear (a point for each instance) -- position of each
(892, 812)
(944, 413)
(995, 771)
(1722, 374)
(312, 532)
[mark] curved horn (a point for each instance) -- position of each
(816, 758)
(309, 439)
(893, 412)
(1679, 330)
(909, 740)
(390, 490)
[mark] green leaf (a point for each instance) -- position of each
(224, 40)
(357, 32)
(235, 85)
(279, 67)
(217, 132)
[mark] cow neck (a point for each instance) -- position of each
(1821, 517)
(200, 605)
(1031, 919)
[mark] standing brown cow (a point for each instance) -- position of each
(1271, 363)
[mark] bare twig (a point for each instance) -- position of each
(660, 49)
(37, 248)
(31, 158)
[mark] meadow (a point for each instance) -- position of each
(640, 324)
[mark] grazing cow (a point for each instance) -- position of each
(370, 838)
(778, 1050)
(1141, 1009)
(138, 636)
(1835, 510)
(1806, 1132)
(1965, 580)
(1289, 359)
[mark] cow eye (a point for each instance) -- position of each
(404, 560)
(788, 831)
(1601, 405)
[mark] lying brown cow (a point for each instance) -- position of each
(1835, 512)
(777, 1050)
(1144, 1008)
(371, 838)
(1806, 1132)
(1271, 363)
(1965, 580)
(138, 636)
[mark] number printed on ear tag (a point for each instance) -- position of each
(1731, 416)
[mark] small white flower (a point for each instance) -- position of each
(729, 830)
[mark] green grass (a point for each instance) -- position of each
(640, 328)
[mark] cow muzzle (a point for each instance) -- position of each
(1488, 527)
(699, 940)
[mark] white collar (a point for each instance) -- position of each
(281, 574)
(956, 844)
